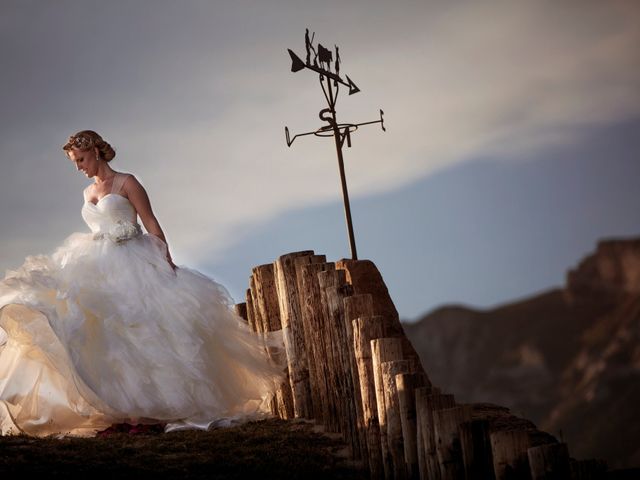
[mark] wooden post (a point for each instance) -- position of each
(384, 350)
(446, 423)
(240, 309)
(395, 440)
(321, 351)
(365, 278)
(365, 329)
(334, 377)
(284, 400)
(266, 297)
(549, 462)
(356, 306)
(314, 360)
(267, 320)
(510, 458)
(257, 318)
(428, 400)
(420, 399)
(334, 288)
(293, 332)
(476, 449)
(406, 383)
(250, 311)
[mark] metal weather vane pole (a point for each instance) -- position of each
(330, 82)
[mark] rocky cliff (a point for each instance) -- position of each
(568, 359)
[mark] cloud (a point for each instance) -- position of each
(196, 98)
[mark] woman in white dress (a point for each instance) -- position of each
(109, 330)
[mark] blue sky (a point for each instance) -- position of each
(480, 233)
(510, 148)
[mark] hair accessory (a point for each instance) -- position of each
(81, 142)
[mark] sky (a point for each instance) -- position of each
(511, 145)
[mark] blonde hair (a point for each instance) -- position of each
(87, 140)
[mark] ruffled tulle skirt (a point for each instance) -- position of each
(103, 332)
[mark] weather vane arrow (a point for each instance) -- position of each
(330, 81)
(297, 64)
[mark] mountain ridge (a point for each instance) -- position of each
(567, 358)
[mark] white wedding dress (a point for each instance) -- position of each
(104, 331)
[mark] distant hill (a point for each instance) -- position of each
(568, 359)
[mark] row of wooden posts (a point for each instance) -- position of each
(351, 368)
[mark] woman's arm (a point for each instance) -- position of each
(140, 200)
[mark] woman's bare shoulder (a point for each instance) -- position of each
(131, 183)
(127, 178)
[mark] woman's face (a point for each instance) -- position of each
(85, 160)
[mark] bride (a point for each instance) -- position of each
(109, 330)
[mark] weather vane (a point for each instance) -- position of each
(321, 61)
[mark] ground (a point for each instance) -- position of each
(264, 449)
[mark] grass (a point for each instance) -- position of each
(263, 449)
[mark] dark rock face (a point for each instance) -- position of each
(568, 359)
(612, 271)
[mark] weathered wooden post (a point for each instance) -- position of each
(366, 278)
(276, 402)
(365, 329)
(313, 360)
(334, 378)
(510, 458)
(334, 289)
(293, 332)
(549, 462)
(258, 323)
(384, 350)
(266, 313)
(476, 449)
(446, 423)
(395, 440)
(429, 400)
(406, 384)
(421, 429)
(356, 306)
(265, 299)
(250, 312)
(313, 308)
(240, 309)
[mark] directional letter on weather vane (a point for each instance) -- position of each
(320, 61)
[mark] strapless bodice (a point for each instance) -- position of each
(113, 216)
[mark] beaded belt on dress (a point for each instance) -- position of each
(121, 232)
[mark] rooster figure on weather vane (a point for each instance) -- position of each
(321, 61)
